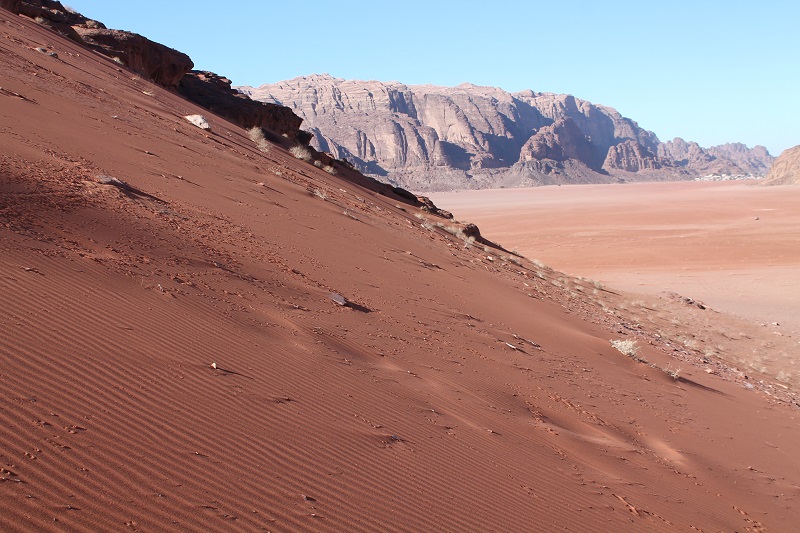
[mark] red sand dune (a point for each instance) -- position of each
(421, 407)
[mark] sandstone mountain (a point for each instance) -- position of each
(437, 138)
(786, 169)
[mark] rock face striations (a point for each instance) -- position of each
(786, 169)
(439, 138)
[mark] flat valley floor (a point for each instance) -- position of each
(735, 246)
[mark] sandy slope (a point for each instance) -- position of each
(405, 411)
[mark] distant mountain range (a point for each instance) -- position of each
(429, 138)
(786, 169)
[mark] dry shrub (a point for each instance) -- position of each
(256, 135)
(627, 346)
(301, 152)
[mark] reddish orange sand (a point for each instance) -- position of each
(457, 393)
(732, 245)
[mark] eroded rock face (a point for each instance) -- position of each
(53, 15)
(159, 63)
(684, 154)
(786, 168)
(215, 94)
(754, 160)
(631, 156)
(439, 138)
(732, 159)
(49, 10)
(558, 142)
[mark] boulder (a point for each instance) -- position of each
(471, 230)
(199, 121)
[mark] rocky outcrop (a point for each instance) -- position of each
(215, 94)
(53, 15)
(165, 66)
(11, 5)
(159, 63)
(439, 138)
(558, 142)
(684, 154)
(730, 159)
(754, 160)
(786, 168)
(630, 156)
(48, 10)
(557, 153)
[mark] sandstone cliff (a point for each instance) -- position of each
(786, 168)
(438, 138)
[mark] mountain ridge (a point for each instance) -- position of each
(786, 169)
(428, 137)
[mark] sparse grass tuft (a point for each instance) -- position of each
(539, 264)
(329, 169)
(673, 373)
(319, 193)
(256, 135)
(627, 347)
(301, 152)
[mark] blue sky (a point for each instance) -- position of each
(708, 71)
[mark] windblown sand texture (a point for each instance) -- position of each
(171, 359)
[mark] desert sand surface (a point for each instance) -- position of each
(731, 244)
(171, 358)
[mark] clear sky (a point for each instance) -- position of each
(708, 71)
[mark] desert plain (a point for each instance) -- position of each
(174, 355)
(731, 244)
